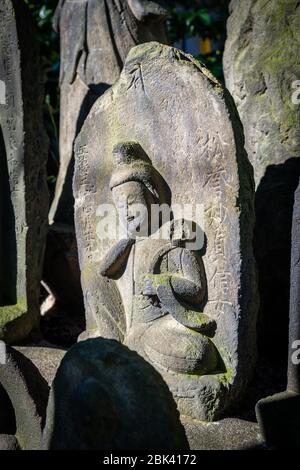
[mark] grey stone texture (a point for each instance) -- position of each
(278, 418)
(23, 400)
(106, 397)
(45, 359)
(262, 70)
(8, 442)
(294, 319)
(168, 132)
(23, 188)
(227, 434)
(95, 36)
(261, 62)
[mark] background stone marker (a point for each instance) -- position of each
(184, 137)
(227, 434)
(106, 397)
(279, 415)
(96, 36)
(26, 393)
(45, 359)
(23, 189)
(262, 69)
(261, 63)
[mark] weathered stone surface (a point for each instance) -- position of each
(23, 189)
(8, 442)
(7, 414)
(105, 396)
(167, 132)
(227, 434)
(45, 359)
(261, 66)
(294, 320)
(278, 416)
(27, 394)
(261, 62)
(96, 36)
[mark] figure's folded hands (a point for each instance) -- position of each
(153, 281)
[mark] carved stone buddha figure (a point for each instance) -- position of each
(162, 283)
(177, 284)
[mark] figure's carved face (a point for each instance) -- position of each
(133, 202)
(143, 9)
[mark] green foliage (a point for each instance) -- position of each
(206, 19)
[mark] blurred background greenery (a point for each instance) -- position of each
(42, 11)
(199, 28)
(195, 26)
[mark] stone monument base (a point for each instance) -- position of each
(226, 434)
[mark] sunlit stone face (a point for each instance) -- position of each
(133, 202)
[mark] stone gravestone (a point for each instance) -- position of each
(261, 64)
(96, 36)
(279, 415)
(23, 401)
(168, 133)
(23, 188)
(262, 70)
(105, 396)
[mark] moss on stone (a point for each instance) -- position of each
(10, 313)
(160, 279)
(225, 378)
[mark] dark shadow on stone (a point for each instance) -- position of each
(61, 268)
(105, 396)
(8, 247)
(61, 274)
(227, 434)
(65, 209)
(28, 394)
(95, 91)
(272, 246)
(7, 414)
(35, 382)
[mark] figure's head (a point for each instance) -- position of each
(136, 187)
(133, 201)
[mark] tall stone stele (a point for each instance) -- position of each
(262, 72)
(261, 67)
(23, 188)
(179, 287)
(95, 38)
